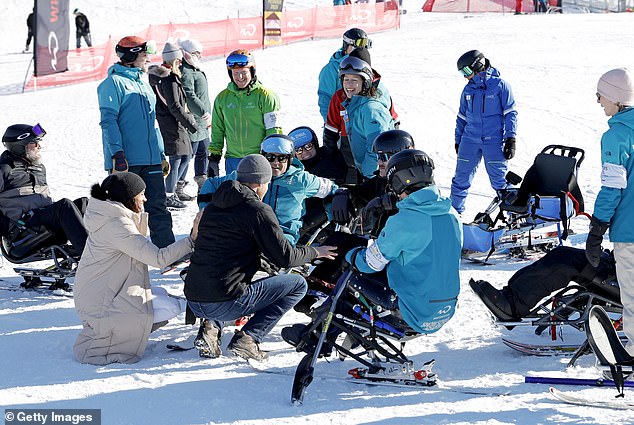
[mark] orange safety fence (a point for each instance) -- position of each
(221, 37)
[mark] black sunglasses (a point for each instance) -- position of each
(306, 148)
(271, 157)
(384, 156)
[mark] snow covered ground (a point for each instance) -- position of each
(552, 62)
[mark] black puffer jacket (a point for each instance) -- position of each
(172, 114)
(236, 227)
(23, 186)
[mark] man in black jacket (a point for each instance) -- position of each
(235, 229)
(82, 28)
(24, 193)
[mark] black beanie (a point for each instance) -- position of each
(122, 187)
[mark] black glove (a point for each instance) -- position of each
(457, 147)
(380, 204)
(341, 207)
(595, 237)
(509, 148)
(213, 169)
(119, 163)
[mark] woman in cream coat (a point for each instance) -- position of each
(113, 298)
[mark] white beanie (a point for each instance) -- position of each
(171, 52)
(191, 46)
(617, 85)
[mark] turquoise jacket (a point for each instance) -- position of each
(615, 201)
(365, 118)
(420, 246)
(329, 82)
(128, 114)
(286, 195)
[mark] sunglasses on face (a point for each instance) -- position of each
(306, 148)
(237, 61)
(598, 96)
(271, 157)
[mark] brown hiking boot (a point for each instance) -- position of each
(243, 345)
(208, 340)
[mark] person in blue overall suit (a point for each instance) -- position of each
(485, 126)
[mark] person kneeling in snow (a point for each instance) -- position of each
(113, 297)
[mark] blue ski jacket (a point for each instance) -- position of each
(128, 114)
(615, 201)
(329, 82)
(487, 110)
(420, 246)
(286, 195)
(365, 118)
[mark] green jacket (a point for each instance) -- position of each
(243, 118)
(197, 92)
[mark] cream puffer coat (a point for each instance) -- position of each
(112, 285)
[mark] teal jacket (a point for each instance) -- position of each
(128, 114)
(615, 201)
(286, 195)
(420, 246)
(366, 117)
(329, 82)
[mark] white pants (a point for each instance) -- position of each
(164, 306)
(624, 256)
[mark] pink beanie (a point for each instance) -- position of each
(617, 85)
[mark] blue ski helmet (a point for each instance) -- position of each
(278, 143)
(392, 141)
(302, 136)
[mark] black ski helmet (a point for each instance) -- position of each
(17, 136)
(410, 170)
(392, 141)
(355, 66)
(472, 62)
(356, 37)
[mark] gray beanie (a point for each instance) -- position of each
(254, 168)
(171, 52)
(618, 86)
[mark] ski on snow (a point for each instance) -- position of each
(541, 349)
(576, 399)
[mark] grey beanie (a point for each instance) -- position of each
(254, 168)
(618, 86)
(171, 52)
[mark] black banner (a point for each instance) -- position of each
(52, 32)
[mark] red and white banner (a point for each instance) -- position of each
(221, 37)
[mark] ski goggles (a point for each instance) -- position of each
(359, 42)
(306, 148)
(237, 60)
(271, 157)
(148, 47)
(466, 71)
(384, 156)
(34, 135)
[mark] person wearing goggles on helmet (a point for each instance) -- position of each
(329, 81)
(485, 127)
(289, 188)
(242, 128)
(335, 136)
(419, 247)
(367, 113)
(131, 142)
(25, 200)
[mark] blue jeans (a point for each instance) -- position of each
(231, 164)
(160, 220)
(200, 149)
(267, 299)
(178, 170)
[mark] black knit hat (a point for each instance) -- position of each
(122, 187)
